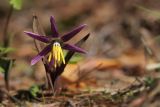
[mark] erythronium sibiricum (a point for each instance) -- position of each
(55, 44)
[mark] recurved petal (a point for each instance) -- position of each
(69, 35)
(41, 54)
(53, 27)
(38, 37)
(73, 48)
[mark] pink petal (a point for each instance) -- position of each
(69, 35)
(41, 55)
(73, 48)
(38, 37)
(53, 27)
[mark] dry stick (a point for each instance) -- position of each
(147, 50)
(38, 29)
(12, 97)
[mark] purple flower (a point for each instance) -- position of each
(55, 44)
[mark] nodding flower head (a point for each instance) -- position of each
(55, 44)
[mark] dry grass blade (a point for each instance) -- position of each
(37, 28)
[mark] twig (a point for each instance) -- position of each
(10, 96)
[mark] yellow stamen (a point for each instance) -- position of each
(57, 54)
(62, 56)
(50, 56)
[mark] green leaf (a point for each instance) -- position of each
(6, 50)
(2, 70)
(149, 81)
(76, 58)
(6, 64)
(17, 4)
(34, 90)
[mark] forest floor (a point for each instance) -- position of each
(121, 68)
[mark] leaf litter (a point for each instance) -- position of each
(119, 71)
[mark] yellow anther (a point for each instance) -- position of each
(62, 56)
(57, 54)
(50, 56)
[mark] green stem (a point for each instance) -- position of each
(6, 38)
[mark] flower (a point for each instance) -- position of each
(55, 44)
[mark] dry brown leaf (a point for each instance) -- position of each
(72, 70)
(138, 102)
